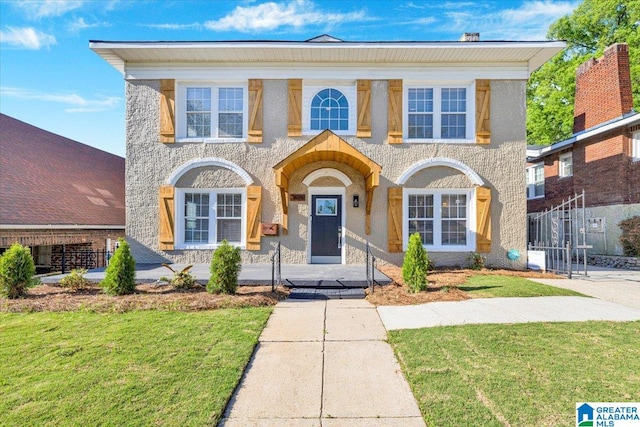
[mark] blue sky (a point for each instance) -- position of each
(50, 78)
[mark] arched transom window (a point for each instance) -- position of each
(329, 110)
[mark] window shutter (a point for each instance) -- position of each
(394, 219)
(364, 109)
(295, 108)
(483, 223)
(254, 199)
(167, 111)
(255, 111)
(395, 112)
(167, 217)
(483, 111)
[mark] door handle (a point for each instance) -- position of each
(339, 237)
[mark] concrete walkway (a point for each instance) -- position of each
(504, 310)
(323, 363)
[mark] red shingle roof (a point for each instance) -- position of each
(49, 179)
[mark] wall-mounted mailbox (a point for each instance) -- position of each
(269, 229)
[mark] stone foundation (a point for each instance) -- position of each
(627, 263)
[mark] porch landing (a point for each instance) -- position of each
(306, 276)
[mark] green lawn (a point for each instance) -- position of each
(493, 286)
(523, 375)
(138, 368)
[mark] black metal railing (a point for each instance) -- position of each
(83, 258)
(371, 267)
(276, 264)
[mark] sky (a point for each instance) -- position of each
(50, 78)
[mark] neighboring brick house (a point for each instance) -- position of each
(325, 145)
(602, 157)
(56, 192)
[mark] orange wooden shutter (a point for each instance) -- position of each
(394, 219)
(254, 199)
(483, 111)
(295, 108)
(167, 111)
(255, 111)
(483, 216)
(395, 112)
(364, 109)
(167, 217)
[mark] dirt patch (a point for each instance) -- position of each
(443, 285)
(147, 297)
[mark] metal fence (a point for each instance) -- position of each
(561, 233)
(371, 268)
(84, 258)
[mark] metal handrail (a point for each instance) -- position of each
(276, 267)
(370, 267)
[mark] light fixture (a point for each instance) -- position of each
(356, 200)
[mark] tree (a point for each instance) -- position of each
(120, 278)
(592, 27)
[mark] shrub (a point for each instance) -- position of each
(415, 265)
(181, 279)
(16, 272)
(477, 261)
(120, 278)
(75, 280)
(225, 267)
(630, 237)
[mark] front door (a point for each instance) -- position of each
(326, 229)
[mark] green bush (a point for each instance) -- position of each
(75, 280)
(415, 265)
(225, 268)
(477, 261)
(120, 276)
(181, 279)
(16, 272)
(630, 237)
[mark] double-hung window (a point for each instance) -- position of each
(535, 181)
(443, 218)
(565, 165)
(439, 113)
(207, 217)
(210, 113)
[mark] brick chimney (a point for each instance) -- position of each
(603, 88)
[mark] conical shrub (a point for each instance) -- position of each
(120, 276)
(225, 268)
(17, 271)
(415, 265)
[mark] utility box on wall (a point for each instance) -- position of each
(595, 225)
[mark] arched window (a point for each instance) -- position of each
(329, 110)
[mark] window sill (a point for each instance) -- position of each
(439, 141)
(565, 176)
(206, 246)
(212, 140)
(310, 132)
(446, 248)
(535, 198)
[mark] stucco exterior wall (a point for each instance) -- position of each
(499, 164)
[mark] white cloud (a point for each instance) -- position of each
(530, 21)
(270, 16)
(26, 38)
(80, 24)
(194, 26)
(75, 102)
(36, 9)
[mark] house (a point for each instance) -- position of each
(57, 194)
(326, 145)
(602, 157)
